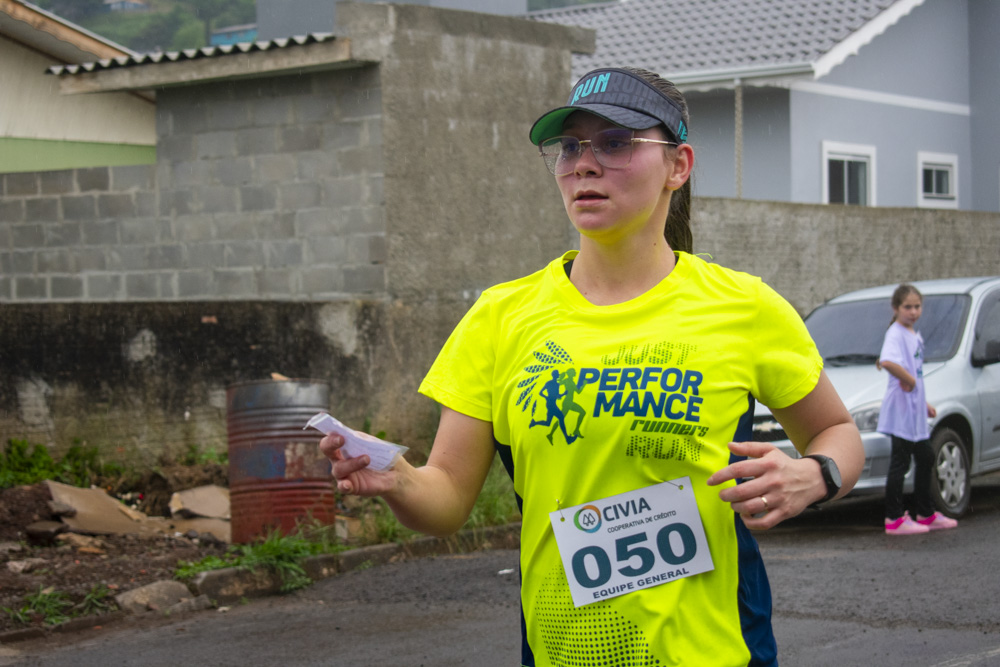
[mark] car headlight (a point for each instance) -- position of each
(866, 416)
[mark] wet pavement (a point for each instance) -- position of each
(844, 594)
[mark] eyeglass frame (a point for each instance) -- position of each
(597, 155)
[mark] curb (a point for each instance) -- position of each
(222, 587)
(232, 584)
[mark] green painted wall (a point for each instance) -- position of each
(47, 155)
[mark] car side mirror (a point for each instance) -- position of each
(991, 355)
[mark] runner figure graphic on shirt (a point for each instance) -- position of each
(568, 382)
(552, 391)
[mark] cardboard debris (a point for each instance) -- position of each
(209, 501)
(97, 513)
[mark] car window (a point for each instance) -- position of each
(852, 333)
(942, 324)
(987, 324)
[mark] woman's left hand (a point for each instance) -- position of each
(780, 488)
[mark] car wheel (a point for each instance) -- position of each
(950, 485)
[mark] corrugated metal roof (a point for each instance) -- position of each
(672, 37)
(53, 35)
(192, 54)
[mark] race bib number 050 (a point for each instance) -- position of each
(628, 542)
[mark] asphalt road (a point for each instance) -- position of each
(844, 594)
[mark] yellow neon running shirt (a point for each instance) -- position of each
(595, 401)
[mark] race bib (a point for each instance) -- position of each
(635, 540)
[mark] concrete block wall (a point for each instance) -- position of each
(62, 233)
(468, 202)
(263, 189)
(274, 186)
(812, 252)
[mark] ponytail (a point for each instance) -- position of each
(677, 229)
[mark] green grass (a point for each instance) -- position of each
(96, 601)
(22, 463)
(52, 607)
(196, 455)
(495, 506)
(281, 554)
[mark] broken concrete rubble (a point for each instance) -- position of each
(11, 547)
(26, 565)
(44, 532)
(154, 597)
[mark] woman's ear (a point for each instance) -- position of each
(682, 164)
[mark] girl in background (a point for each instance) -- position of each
(904, 415)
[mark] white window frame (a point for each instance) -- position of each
(836, 150)
(948, 161)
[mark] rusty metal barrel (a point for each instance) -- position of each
(277, 475)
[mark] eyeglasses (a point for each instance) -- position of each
(612, 148)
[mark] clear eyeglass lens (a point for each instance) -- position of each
(613, 149)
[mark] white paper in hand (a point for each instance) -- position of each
(383, 454)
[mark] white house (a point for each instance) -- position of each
(42, 129)
(870, 102)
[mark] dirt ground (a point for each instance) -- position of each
(119, 562)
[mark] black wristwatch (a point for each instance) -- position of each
(831, 475)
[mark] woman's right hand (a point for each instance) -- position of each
(435, 498)
(353, 475)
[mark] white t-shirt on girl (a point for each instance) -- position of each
(904, 414)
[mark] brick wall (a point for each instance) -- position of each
(263, 189)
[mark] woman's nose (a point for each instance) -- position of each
(587, 163)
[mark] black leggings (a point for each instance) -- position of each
(922, 453)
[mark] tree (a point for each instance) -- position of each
(162, 31)
(72, 10)
(207, 11)
(240, 12)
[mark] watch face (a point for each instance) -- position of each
(834, 472)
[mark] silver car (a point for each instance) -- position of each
(960, 325)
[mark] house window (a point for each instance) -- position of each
(938, 175)
(848, 180)
(848, 174)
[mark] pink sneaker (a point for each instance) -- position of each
(904, 525)
(937, 521)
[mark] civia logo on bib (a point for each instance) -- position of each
(588, 519)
